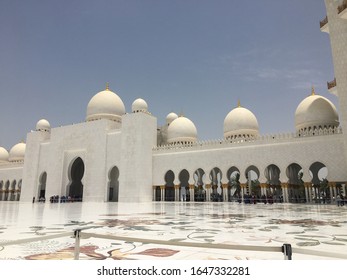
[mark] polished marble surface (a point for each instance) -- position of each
(315, 227)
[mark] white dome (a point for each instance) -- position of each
(182, 130)
(3, 155)
(315, 112)
(170, 118)
(240, 122)
(43, 125)
(17, 152)
(139, 105)
(105, 105)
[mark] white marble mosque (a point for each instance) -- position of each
(126, 157)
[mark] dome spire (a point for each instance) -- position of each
(107, 86)
(238, 104)
(312, 91)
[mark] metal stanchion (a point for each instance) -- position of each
(287, 251)
(77, 234)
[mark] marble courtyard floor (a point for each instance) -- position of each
(316, 227)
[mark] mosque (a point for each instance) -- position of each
(126, 157)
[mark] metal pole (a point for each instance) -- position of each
(287, 251)
(77, 234)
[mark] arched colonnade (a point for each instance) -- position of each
(213, 185)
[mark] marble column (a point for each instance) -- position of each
(208, 192)
(243, 191)
(263, 189)
(191, 192)
(285, 192)
(225, 192)
(332, 189)
(308, 185)
(177, 192)
(162, 193)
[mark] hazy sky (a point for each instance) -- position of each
(195, 57)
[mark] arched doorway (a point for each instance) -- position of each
(319, 173)
(42, 186)
(199, 192)
(216, 184)
(274, 190)
(169, 186)
(184, 185)
(253, 185)
(113, 190)
(234, 186)
(296, 188)
(75, 175)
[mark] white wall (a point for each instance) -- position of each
(139, 136)
(303, 151)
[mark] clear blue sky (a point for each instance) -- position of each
(192, 56)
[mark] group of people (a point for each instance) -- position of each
(340, 200)
(64, 199)
(57, 199)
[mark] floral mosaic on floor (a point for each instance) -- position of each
(317, 227)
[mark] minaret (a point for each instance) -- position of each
(336, 27)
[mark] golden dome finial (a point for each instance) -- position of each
(312, 91)
(107, 86)
(238, 103)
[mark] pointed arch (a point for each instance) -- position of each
(184, 185)
(113, 184)
(216, 184)
(199, 192)
(42, 186)
(76, 172)
(169, 186)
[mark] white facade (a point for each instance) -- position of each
(115, 156)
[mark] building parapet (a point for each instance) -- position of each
(323, 22)
(331, 84)
(261, 139)
(342, 7)
(11, 164)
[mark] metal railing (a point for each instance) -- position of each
(78, 233)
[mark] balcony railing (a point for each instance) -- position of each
(323, 22)
(342, 7)
(331, 84)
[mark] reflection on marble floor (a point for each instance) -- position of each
(317, 227)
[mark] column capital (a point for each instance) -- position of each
(263, 185)
(191, 187)
(284, 185)
(224, 186)
(243, 185)
(177, 187)
(162, 187)
(307, 184)
(208, 186)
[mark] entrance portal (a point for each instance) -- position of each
(76, 175)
